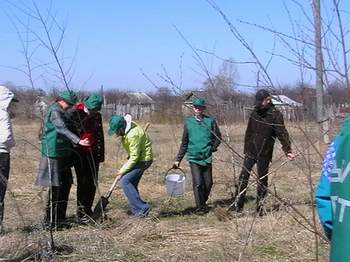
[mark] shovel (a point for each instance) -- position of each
(104, 200)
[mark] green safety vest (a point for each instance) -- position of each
(54, 144)
(200, 140)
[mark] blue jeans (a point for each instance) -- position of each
(129, 183)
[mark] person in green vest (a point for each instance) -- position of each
(333, 195)
(201, 137)
(138, 146)
(56, 150)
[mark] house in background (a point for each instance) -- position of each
(284, 101)
(138, 104)
(290, 109)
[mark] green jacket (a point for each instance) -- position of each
(56, 139)
(199, 140)
(138, 146)
(340, 196)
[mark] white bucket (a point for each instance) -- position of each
(175, 184)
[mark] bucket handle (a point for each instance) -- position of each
(182, 175)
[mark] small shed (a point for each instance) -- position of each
(290, 109)
(138, 104)
(136, 98)
(284, 101)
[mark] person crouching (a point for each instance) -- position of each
(138, 145)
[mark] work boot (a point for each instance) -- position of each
(84, 216)
(260, 210)
(56, 225)
(1, 212)
(237, 204)
(84, 220)
(144, 213)
(202, 210)
(238, 201)
(237, 208)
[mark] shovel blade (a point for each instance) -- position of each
(100, 208)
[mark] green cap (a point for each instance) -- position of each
(197, 101)
(117, 122)
(94, 102)
(69, 97)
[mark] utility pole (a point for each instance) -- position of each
(323, 122)
(103, 95)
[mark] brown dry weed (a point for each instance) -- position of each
(172, 232)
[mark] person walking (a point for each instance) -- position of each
(56, 149)
(87, 159)
(201, 137)
(264, 125)
(7, 141)
(138, 145)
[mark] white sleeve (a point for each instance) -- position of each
(6, 134)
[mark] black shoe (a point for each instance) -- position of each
(2, 230)
(84, 220)
(59, 225)
(202, 210)
(261, 211)
(143, 214)
(235, 207)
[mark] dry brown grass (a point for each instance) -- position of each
(169, 234)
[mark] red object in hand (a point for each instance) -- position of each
(92, 140)
(79, 106)
(90, 137)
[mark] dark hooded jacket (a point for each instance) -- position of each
(263, 127)
(87, 126)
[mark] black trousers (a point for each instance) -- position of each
(86, 169)
(58, 195)
(202, 181)
(262, 181)
(4, 176)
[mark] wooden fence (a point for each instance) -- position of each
(229, 112)
(138, 111)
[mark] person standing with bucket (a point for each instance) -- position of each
(138, 145)
(201, 137)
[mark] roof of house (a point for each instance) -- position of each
(282, 100)
(138, 98)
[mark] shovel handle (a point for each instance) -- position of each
(146, 126)
(115, 182)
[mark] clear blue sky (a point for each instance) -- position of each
(113, 40)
